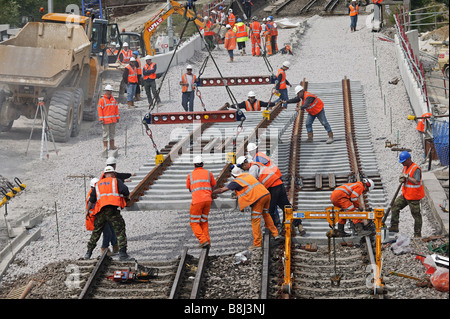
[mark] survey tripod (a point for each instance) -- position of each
(46, 130)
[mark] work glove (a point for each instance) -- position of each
(403, 178)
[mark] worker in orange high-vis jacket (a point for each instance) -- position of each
(231, 19)
(346, 197)
(188, 86)
(125, 54)
(252, 104)
(251, 193)
(108, 115)
(315, 108)
(230, 42)
(353, 11)
(255, 36)
(241, 31)
(135, 55)
(109, 237)
(267, 33)
(273, 35)
(110, 195)
(421, 124)
(130, 77)
(209, 33)
(282, 83)
(264, 169)
(149, 78)
(412, 192)
(200, 183)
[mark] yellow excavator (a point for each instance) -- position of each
(170, 8)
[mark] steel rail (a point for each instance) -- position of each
(265, 265)
(198, 280)
(94, 275)
(179, 275)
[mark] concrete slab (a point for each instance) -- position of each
(436, 196)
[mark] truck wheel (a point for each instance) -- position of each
(91, 113)
(61, 115)
(4, 127)
(78, 107)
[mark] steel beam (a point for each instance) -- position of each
(237, 80)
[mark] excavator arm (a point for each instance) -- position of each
(152, 24)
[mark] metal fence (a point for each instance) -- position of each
(440, 137)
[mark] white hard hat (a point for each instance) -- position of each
(117, 45)
(264, 19)
(298, 88)
(251, 147)
(189, 67)
(132, 59)
(369, 183)
(287, 64)
(148, 57)
(205, 18)
(113, 43)
(125, 44)
(198, 159)
(108, 88)
(111, 160)
(109, 169)
(213, 11)
(241, 160)
(236, 171)
(251, 93)
(228, 26)
(230, 10)
(94, 181)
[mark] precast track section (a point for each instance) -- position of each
(314, 170)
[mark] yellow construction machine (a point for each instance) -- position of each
(60, 60)
(442, 57)
(165, 12)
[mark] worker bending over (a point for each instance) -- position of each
(346, 197)
(282, 83)
(110, 194)
(200, 183)
(314, 106)
(253, 194)
(412, 192)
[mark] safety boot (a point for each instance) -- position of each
(137, 97)
(341, 232)
(361, 232)
(310, 137)
(301, 230)
(130, 104)
(330, 138)
(393, 228)
(123, 256)
(88, 254)
(115, 249)
(103, 250)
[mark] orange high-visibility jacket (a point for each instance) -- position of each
(251, 191)
(255, 107)
(421, 124)
(132, 74)
(108, 110)
(231, 19)
(90, 218)
(208, 27)
(274, 29)
(316, 106)
(149, 68)
(265, 160)
(283, 79)
(139, 67)
(126, 55)
(255, 26)
(230, 40)
(108, 194)
(354, 10)
(200, 182)
(412, 191)
(268, 175)
(185, 81)
(351, 192)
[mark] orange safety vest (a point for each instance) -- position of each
(241, 31)
(231, 19)
(200, 182)
(354, 10)
(268, 175)
(208, 27)
(283, 79)
(351, 191)
(149, 68)
(132, 74)
(268, 164)
(126, 55)
(316, 106)
(139, 68)
(421, 124)
(412, 191)
(90, 218)
(251, 191)
(108, 194)
(255, 26)
(269, 28)
(230, 40)
(108, 110)
(273, 30)
(255, 107)
(185, 81)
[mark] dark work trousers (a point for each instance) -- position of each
(279, 198)
(187, 101)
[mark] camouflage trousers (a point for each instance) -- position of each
(112, 215)
(414, 206)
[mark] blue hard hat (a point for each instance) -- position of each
(220, 8)
(403, 156)
(136, 53)
(239, 20)
(270, 17)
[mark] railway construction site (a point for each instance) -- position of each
(43, 234)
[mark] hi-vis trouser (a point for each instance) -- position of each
(261, 208)
(199, 213)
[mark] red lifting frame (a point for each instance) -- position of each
(236, 80)
(189, 117)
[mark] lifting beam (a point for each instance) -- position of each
(332, 215)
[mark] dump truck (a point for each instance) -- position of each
(60, 60)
